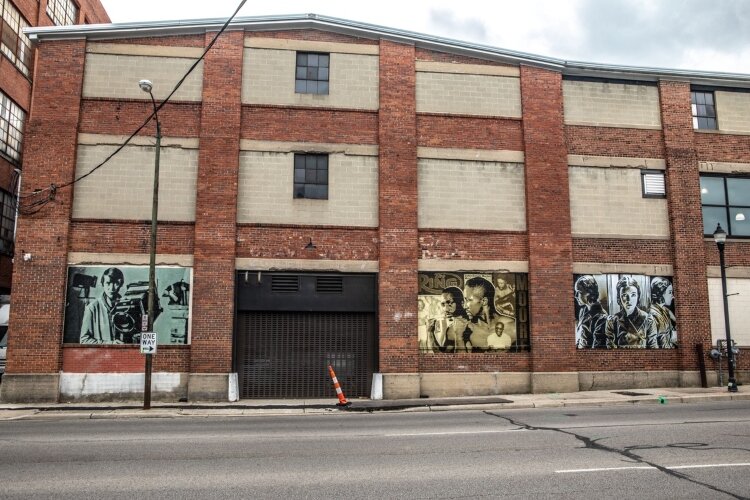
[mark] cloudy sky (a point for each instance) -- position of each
(689, 34)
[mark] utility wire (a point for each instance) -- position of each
(38, 199)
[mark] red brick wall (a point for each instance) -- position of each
(288, 242)
(123, 359)
(462, 244)
(275, 123)
(106, 116)
(610, 141)
(622, 251)
(399, 247)
(483, 362)
(467, 132)
(548, 221)
(216, 206)
(14, 84)
(49, 158)
(311, 35)
(685, 221)
(722, 147)
(103, 236)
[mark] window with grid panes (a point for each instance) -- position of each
(15, 45)
(62, 12)
(312, 73)
(7, 221)
(311, 176)
(12, 118)
(726, 200)
(704, 110)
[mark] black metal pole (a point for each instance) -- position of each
(732, 385)
(152, 259)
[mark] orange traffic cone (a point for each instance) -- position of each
(339, 392)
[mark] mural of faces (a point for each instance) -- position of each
(624, 311)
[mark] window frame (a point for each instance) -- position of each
(306, 69)
(7, 222)
(11, 112)
(646, 194)
(63, 18)
(694, 109)
(726, 206)
(299, 187)
(21, 54)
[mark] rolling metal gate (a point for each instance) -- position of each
(285, 353)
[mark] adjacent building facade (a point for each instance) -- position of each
(441, 218)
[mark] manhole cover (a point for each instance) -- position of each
(631, 393)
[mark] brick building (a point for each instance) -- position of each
(447, 218)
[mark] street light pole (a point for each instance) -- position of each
(720, 237)
(146, 86)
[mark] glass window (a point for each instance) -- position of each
(12, 118)
(62, 12)
(726, 201)
(311, 74)
(15, 45)
(311, 176)
(704, 110)
(7, 221)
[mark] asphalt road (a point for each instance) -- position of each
(647, 451)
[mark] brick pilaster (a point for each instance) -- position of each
(50, 141)
(399, 242)
(548, 222)
(216, 206)
(686, 221)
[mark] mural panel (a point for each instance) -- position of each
(104, 304)
(624, 311)
(473, 312)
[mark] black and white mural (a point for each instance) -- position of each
(105, 304)
(615, 311)
(473, 312)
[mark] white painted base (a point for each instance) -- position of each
(112, 386)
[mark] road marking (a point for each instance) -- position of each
(451, 433)
(649, 467)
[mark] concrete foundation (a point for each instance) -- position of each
(101, 387)
(30, 388)
(208, 387)
(441, 385)
(400, 385)
(594, 381)
(544, 382)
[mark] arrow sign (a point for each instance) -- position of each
(148, 343)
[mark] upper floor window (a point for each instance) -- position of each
(311, 176)
(704, 110)
(62, 12)
(312, 73)
(12, 118)
(726, 200)
(15, 45)
(7, 221)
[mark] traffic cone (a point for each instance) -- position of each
(339, 392)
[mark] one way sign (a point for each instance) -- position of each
(148, 343)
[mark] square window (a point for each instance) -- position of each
(311, 176)
(311, 73)
(725, 200)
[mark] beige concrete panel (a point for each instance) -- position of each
(738, 300)
(208, 387)
(311, 46)
(471, 195)
(617, 268)
(545, 382)
(143, 50)
(344, 266)
(724, 167)
(266, 183)
(511, 266)
(400, 385)
(116, 140)
(611, 104)
(617, 162)
(268, 78)
(117, 76)
(30, 388)
(133, 259)
(445, 385)
(481, 95)
(732, 271)
(733, 111)
(611, 380)
(608, 202)
(123, 187)
(466, 69)
(497, 155)
(308, 147)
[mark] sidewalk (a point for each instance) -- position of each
(133, 409)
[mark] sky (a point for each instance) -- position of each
(678, 34)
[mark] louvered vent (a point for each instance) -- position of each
(285, 284)
(329, 284)
(653, 184)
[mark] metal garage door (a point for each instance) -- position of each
(290, 326)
